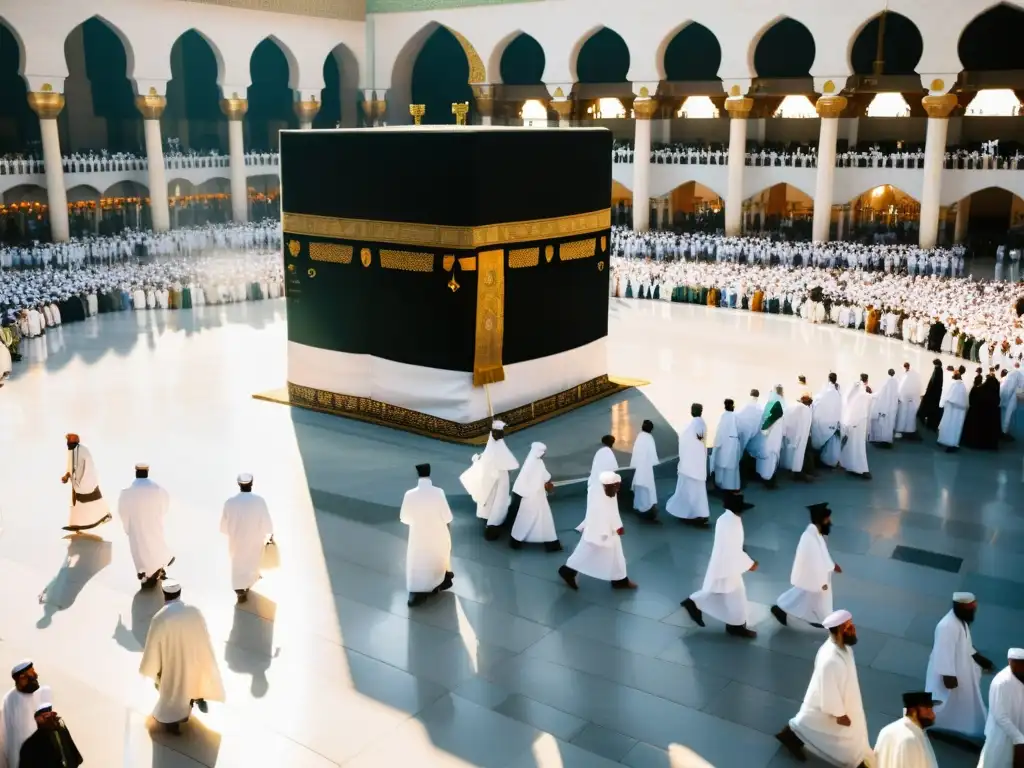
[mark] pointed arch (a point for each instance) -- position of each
(782, 48)
(25, 193)
(517, 59)
(6, 26)
(293, 66)
(340, 94)
(610, 51)
(689, 49)
(991, 41)
(126, 188)
(218, 56)
(18, 124)
(902, 45)
(82, 192)
(126, 43)
(885, 187)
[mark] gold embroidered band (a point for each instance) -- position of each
(408, 261)
(339, 254)
(437, 236)
(490, 318)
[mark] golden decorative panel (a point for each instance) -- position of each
(294, 247)
(407, 261)
(338, 254)
(477, 73)
(467, 263)
(549, 252)
(604, 244)
(365, 257)
(577, 249)
(600, 266)
(490, 318)
(442, 236)
(376, 412)
(311, 272)
(523, 257)
(346, 10)
(448, 262)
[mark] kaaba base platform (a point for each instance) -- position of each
(439, 277)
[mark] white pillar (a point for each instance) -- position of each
(828, 107)
(234, 110)
(152, 107)
(47, 105)
(643, 110)
(938, 109)
(963, 215)
(738, 108)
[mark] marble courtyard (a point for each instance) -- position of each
(326, 666)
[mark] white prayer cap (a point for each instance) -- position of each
(964, 597)
(20, 667)
(609, 478)
(244, 479)
(171, 587)
(45, 699)
(1015, 654)
(497, 424)
(836, 619)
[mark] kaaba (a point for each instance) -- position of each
(439, 277)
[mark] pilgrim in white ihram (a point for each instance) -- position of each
(429, 552)
(1004, 728)
(246, 522)
(796, 426)
(826, 423)
(487, 480)
(599, 552)
(534, 523)
(690, 501)
(643, 461)
(88, 507)
(909, 394)
(143, 507)
(953, 404)
(903, 744)
(853, 456)
(884, 405)
(810, 597)
(727, 451)
(17, 713)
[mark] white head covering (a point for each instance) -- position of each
(244, 479)
(837, 618)
(20, 667)
(963, 597)
(171, 588)
(610, 478)
(497, 453)
(45, 699)
(533, 475)
(1015, 654)
(497, 424)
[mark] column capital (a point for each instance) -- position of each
(739, 107)
(939, 106)
(559, 92)
(46, 104)
(306, 110)
(645, 108)
(151, 106)
(234, 108)
(830, 106)
(380, 109)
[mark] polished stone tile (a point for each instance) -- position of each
(327, 665)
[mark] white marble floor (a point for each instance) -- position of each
(327, 666)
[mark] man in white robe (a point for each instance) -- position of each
(826, 418)
(179, 658)
(769, 447)
(909, 396)
(748, 420)
(723, 594)
(487, 481)
(599, 553)
(903, 744)
(429, 552)
(246, 522)
(18, 713)
(954, 671)
(690, 501)
(643, 461)
(1004, 728)
(953, 405)
(1008, 388)
(884, 404)
(726, 453)
(831, 721)
(534, 523)
(143, 506)
(796, 426)
(88, 507)
(604, 461)
(810, 598)
(853, 456)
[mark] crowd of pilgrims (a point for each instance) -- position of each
(106, 162)
(806, 156)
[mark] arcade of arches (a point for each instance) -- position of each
(782, 106)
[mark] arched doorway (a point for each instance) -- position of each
(440, 77)
(264, 197)
(340, 97)
(991, 42)
(785, 50)
(271, 100)
(123, 207)
(693, 207)
(522, 94)
(885, 214)
(902, 46)
(23, 215)
(193, 120)
(622, 205)
(693, 54)
(99, 113)
(781, 210)
(19, 127)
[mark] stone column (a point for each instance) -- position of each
(963, 215)
(484, 98)
(829, 108)
(643, 111)
(152, 107)
(47, 104)
(234, 110)
(738, 108)
(938, 109)
(306, 112)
